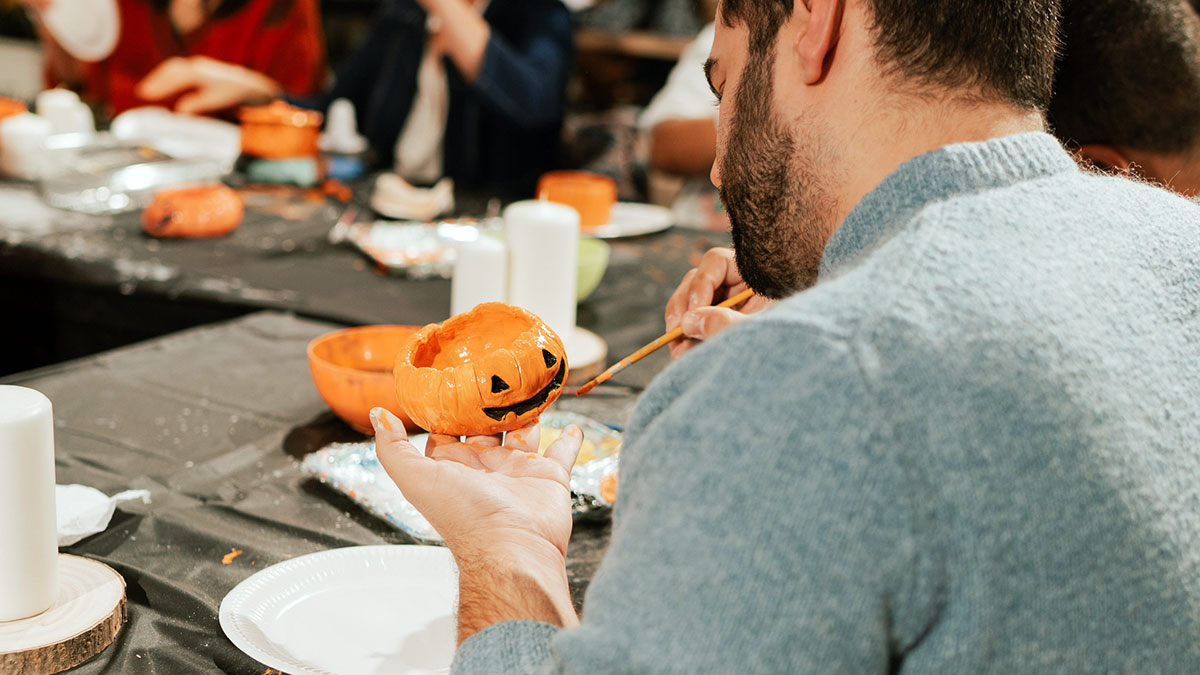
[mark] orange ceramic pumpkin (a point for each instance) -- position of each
(492, 369)
(592, 195)
(200, 211)
(280, 131)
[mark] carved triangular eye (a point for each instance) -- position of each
(550, 358)
(498, 385)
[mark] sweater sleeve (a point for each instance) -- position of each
(756, 530)
(525, 79)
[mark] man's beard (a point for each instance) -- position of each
(775, 186)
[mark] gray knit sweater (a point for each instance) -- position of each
(972, 447)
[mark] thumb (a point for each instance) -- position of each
(395, 452)
(704, 322)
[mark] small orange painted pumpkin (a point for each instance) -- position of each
(492, 369)
(193, 212)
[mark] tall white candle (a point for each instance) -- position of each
(28, 528)
(480, 274)
(543, 244)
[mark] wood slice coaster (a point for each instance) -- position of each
(585, 356)
(85, 619)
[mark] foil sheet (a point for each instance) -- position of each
(414, 250)
(353, 470)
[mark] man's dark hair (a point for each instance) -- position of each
(1003, 49)
(1129, 75)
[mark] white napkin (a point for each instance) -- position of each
(84, 511)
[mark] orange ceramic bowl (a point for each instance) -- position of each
(592, 195)
(352, 370)
(279, 131)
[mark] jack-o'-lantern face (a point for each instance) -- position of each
(492, 369)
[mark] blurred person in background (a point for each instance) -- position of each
(473, 90)
(1127, 89)
(680, 125)
(277, 43)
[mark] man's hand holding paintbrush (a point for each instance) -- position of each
(716, 278)
(693, 304)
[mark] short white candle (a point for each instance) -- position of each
(480, 274)
(28, 528)
(543, 244)
(21, 139)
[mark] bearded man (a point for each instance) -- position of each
(972, 445)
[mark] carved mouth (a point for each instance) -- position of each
(530, 403)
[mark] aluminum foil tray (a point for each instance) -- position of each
(353, 470)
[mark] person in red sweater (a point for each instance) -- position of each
(280, 40)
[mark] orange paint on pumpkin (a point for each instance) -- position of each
(279, 131)
(193, 212)
(492, 369)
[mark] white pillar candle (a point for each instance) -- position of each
(543, 245)
(28, 528)
(21, 139)
(480, 274)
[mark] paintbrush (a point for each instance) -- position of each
(661, 341)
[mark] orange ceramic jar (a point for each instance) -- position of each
(279, 131)
(193, 212)
(592, 195)
(492, 369)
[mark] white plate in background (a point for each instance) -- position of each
(630, 219)
(362, 609)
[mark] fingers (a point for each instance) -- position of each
(169, 78)
(717, 271)
(481, 442)
(565, 449)
(677, 304)
(204, 100)
(442, 447)
(393, 448)
(525, 439)
(716, 275)
(703, 323)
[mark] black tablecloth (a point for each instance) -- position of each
(212, 421)
(76, 284)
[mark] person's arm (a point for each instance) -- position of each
(685, 147)
(509, 537)
(211, 85)
(526, 79)
(758, 529)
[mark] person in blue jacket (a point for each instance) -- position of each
(470, 89)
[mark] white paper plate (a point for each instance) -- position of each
(630, 219)
(86, 29)
(363, 609)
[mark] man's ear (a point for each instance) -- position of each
(1106, 158)
(815, 44)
